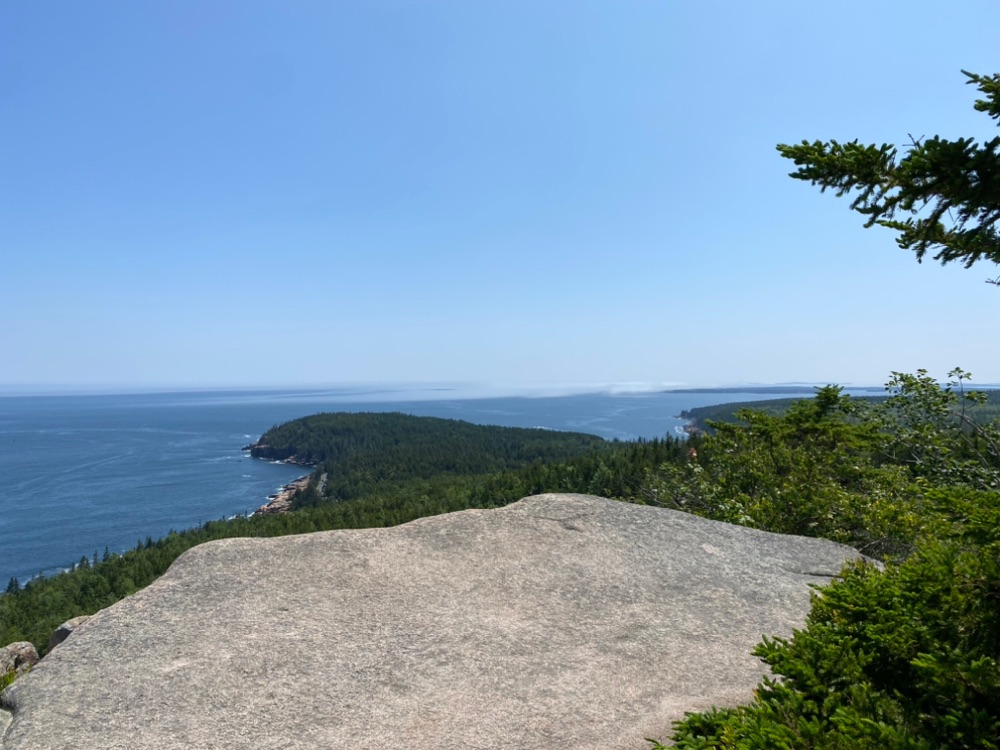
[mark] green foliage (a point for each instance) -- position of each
(702, 417)
(814, 470)
(852, 470)
(7, 679)
(942, 196)
(362, 453)
(937, 432)
(984, 409)
(905, 657)
(908, 657)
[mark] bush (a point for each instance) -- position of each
(902, 658)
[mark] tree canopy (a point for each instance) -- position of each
(941, 196)
(904, 656)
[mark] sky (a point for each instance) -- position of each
(260, 193)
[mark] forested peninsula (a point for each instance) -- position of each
(355, 454)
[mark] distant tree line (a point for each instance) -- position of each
(702, 416)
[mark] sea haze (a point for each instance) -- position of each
(85, 473)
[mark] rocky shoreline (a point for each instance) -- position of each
(281, 501)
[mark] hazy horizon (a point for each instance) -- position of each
(415, 391)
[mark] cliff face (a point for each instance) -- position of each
(561, 620)
(261, 449)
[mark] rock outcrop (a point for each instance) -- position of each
(65, 630)
(261, 449)
(19, 656)
(558, 621)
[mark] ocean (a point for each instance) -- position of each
(81, 474)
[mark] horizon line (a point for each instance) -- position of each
(436, 388)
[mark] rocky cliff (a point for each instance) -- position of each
(261, 449)
(560, 620)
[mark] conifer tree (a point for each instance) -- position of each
(941, 196)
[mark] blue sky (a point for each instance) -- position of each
(262, 193)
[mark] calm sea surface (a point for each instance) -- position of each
(79, 474)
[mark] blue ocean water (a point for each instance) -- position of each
(79, 474)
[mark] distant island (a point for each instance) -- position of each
(810, 389)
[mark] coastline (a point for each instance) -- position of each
(281, 501)
(189, 490)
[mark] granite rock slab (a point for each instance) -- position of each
(557, 621)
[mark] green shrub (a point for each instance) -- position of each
(902, 658)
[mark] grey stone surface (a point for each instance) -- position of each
(24, 654)
(65, 630)
(559, 621)
(19, 656)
